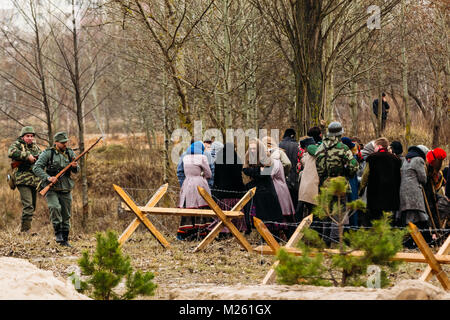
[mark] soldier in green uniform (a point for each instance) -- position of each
(333, 157)
(59, 197)
(24, 152)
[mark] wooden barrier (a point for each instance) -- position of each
(427, 256)
(445, 249)
(295, 238)
(430, 258)
(225, 217)
(140, 216)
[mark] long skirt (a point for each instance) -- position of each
(194, 228)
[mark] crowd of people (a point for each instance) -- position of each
(410, 184)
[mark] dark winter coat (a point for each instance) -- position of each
(228, 174)
(265, 200)
(383, 185)
(385, 106)
(447, 186)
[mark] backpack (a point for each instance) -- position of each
(333, 163)
(11, 178)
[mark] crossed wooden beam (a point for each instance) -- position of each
(225, 217)
(434, 264)
(434, 261)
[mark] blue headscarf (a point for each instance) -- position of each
(196, 148)
(348, 142)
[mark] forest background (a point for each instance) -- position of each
(135, 71)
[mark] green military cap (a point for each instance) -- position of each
(27, 130)
(61, 137)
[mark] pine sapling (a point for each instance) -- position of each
(379, 243)
(107, 268)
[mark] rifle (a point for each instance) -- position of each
(45, 190)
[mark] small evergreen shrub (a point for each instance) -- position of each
(106, 270)
(316, 266)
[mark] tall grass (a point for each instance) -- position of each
(129, 165)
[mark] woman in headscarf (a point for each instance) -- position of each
(279, 181)
(435, 180)
(277, 153)
(228, 186)
(257, 170)
(197, 171)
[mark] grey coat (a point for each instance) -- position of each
(412, 176)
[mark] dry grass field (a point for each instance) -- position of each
(120, 161)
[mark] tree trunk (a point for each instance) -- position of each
(354, 108)
(437, 111)
(80, 121)
(166, 165)
(227, 67)
(41, 73)
(405, 81)
(307, 43)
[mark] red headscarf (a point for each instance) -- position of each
(436, 154)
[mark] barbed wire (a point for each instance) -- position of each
(316, 224)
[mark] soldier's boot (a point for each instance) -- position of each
(26, 226)
(65, 236)
(59, 237)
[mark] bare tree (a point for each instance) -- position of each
(169, 25)
(308, 25)
(26, 48)
(83, 63)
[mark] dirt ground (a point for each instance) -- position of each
(224, 270)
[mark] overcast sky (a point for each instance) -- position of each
(5, 4)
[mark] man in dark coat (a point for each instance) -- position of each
(382, 178)
(384, 110)
(290, 146)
